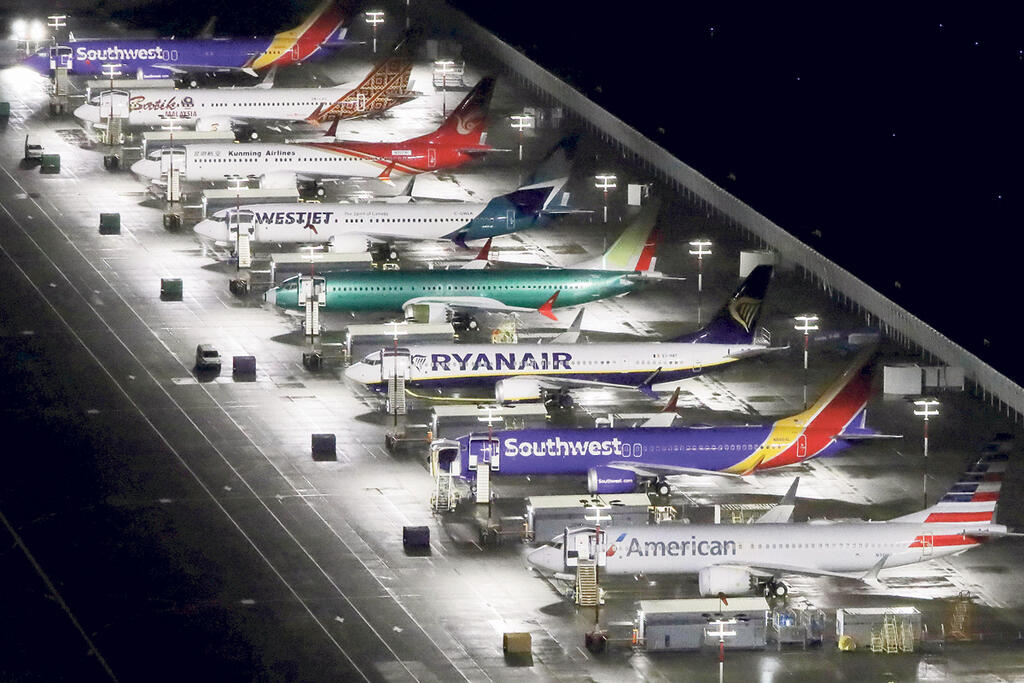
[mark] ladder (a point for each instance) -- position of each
(906, 636)
(586, 584)
(959, 623)
(483, 482)
(311, 321)
(444, 497)
(243, 249)
(890, 635)
(876, 641)
(396, 395)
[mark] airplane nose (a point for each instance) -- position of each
(270, 296)
(211, 230)
(546, 558)
(88, 112)
(146, 168)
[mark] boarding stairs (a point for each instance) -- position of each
(483, 483)
(396, 395)
(587, 592)
(444, 497)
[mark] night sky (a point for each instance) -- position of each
(887, 137)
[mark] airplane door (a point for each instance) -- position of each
(927, 546)
(361, 102)
(431, 158)
(62, 56)
(801, 446)
(295, 52)
(114, 103)
(484, 450)
(510, 218)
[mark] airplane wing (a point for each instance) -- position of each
(477, 303)
(768, 569)
(865, 437)
(660, 470)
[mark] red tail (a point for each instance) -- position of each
(468, 121)
(547, 306)
(646, 260)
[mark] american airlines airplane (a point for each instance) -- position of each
(460, 138)
(357, 227)
(615, 459)
(522, 372)
(386, 86)
(321, 32)
(734, 559)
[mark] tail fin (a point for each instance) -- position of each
(467, 124)
(328, 23)
(841, 408)
(634, 249)
(385, 86)
(736, 322)
(971, 501)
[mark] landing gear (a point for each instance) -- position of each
(775, 590)
(463, 322)
(559, 399)
(662, 488)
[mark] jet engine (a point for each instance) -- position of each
(610, 480)
(428, 312)
(517, 389)
(279, 179)
(350, 244)
(728, 580)
(209, 123)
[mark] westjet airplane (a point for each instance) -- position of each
(615, 459)
(358, 227)
(734, 559)
(522, 372)
(460, 138)
(386, 86)
(437, 295)
(324, 30)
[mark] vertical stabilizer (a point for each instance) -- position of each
(467, 124)
(634, 249)
(386, 86)
(736, 322)
(971, 501)
(328, 23)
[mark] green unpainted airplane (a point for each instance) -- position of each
(440, 295)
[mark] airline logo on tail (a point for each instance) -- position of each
(744, 311)
(467, 123)
(384, 87)
(302, 41)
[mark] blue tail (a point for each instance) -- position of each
(736, 322)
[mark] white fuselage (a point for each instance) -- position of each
(214, 109)
(841, 547)
(322, 223)
(614, 362)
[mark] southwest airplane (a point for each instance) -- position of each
(733, 559)
(355, 227)
(322, 31)
(459, 139)
(223, 108)
(613, 459)
(520, 372)
(627, 265)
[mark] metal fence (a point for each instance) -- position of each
(894, 321)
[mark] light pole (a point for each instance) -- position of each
(722, 634)
(521, 122)
(806, 324)
(605, 182)
(443, 67)
(172, 184)
(56, 22)
(373, 18)
(700, 249)
(926, 407)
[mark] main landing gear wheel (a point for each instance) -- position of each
(662, 488)
(775, 590)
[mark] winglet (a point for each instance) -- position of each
(485, 252)
(332, 132)
(546, 307)
(315, 116)
(670, 407)
(480, 262)
(783, 512)
(645, 386)
(385, 175)
(871, 575)
(572, 334)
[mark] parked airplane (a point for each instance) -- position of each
(460, 138)
(324, 30)
(384, 87)
(437, 294)
(733, 559)
(614, 459)
(522, 372)
(356, 227)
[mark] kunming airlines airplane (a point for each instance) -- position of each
(613, 459)
(521, 372)
(737, 558)
(356, 227)
(386, 85)
(321, 32)
(460, 138)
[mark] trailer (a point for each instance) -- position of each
(284, 266)
(214, 200)
(666, 625)
(549, 516)
(456, 420)
(154, 140)
(363, 339)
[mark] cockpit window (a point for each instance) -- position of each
(372, 359)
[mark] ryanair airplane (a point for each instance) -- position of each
(521, 372)
(734, 559)
(616, 459)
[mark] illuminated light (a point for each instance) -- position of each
(36, 31)
(19, 29)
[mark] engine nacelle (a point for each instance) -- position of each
(517, 389)
(350, 244)
(428, 312)
(728, 580)
(213, 123)
(610, 480)
(278, 180)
